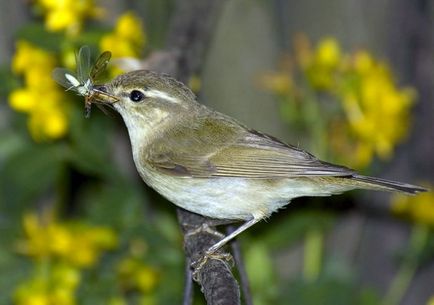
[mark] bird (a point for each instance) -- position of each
(210, 164)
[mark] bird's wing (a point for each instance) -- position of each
(220, 147)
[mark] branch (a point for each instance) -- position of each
(217, 282)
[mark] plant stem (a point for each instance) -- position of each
(406, 272)
(313, 249)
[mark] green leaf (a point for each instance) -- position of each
(36, 34)
(8, 81)
(115, 204)
(10, 143)
(90, 145)
(261, 274)
(327, 291)
(29, 173)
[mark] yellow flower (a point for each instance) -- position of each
(328, 53)
(322, 67)
(363, 155)
(117, 301)
(51, 285)
(22, 100)
(32, 292)
(102, 237)
(68, 15)
(28, 57)
(66, 276)
(41, 98)
(129, 26)
(60, 19)
(376, 109)
(363, 61)
(147, 299)
(279, 83)
(79, 245)
(146, 278)
(431, 301)
(60, 250)
(62, 296)
(303, 51)
(195, 83)
(92, 242)
(128, 38)
(48, 122)
(68, 59)
(134, 274)
(419, 209)
(372, 113)
(34, 299)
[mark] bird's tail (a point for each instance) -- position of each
(386, 185)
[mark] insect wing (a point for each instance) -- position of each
(83, 64)
(100, 64)
(65, 78)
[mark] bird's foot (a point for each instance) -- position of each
(198, 264)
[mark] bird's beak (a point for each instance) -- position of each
(101, 96)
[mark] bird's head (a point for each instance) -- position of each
(145, 99)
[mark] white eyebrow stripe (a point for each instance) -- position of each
(163, 95)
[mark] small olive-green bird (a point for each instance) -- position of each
(210, 164)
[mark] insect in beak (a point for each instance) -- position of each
(83, 80)
(99, 95)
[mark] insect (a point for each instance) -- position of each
(83, 81)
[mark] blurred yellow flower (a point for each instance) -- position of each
(22, 100)
(66, 276)
(28, 56)
(303, 50)
(128, 38)
(431, 301)
(321, 67)
(135, 274)
(117, 301)
(372, 114)
(419, 209)
(47, 286)
(328, 53)
(60, 250)
(378, 112)
(363, 61)
(278, 82)
(48, 123)
(68, 15)
(77, 244)
(195, 83)
(41, 98)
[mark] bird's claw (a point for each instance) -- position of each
(197, 265)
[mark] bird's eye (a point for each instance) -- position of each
(136, 96)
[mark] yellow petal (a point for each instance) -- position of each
(22, 100)
(60, 19)
(328, 53)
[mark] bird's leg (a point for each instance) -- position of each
(228, 238)
(210, 253)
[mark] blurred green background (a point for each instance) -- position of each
(350, 81)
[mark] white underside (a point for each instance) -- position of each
(232, 198)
